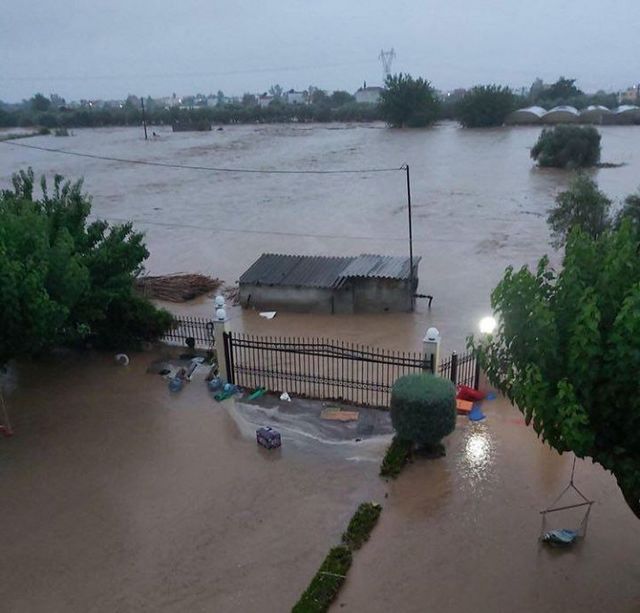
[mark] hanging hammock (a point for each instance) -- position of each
(564, 537)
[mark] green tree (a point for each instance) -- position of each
(561, 92)
(567, 146)
(630, 210)
(276, 91)
(582, 206)
(249, 100)
(340, 98)
(409, 102)
(64, 280)
(40, 103)
(567, 351)
(423, 408)
(485, 106)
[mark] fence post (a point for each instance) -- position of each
(431, 349)
(454, 368)
(476, 374)
(220, 327)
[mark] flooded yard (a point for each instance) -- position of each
(120, 496)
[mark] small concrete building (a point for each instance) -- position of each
(319, 284)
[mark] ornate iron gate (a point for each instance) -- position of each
(319, 368)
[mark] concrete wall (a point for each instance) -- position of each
(356, 296)
(295, 299)
(381, 295)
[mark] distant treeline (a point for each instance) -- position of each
(228, 114)
(481, 106)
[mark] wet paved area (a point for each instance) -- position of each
(120, 496)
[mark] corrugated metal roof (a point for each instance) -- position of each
(323, 271)
(379, 267)
(295, 270)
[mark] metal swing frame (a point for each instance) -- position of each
(582, 529)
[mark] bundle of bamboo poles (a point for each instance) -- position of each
(177, 287)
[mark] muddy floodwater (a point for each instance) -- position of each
(118, 496)
(479, 204)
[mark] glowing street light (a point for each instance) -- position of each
(488, 325)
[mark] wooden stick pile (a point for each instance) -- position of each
(176, 288)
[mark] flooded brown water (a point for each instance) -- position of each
(460, 534)
(117, 496)
(479, 205)
(120, 496)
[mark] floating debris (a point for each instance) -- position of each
(178, 287)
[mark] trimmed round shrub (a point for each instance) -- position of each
(423, 408)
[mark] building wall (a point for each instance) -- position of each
(368, 96)
(357, 296)
(295, 299)
(381, 295)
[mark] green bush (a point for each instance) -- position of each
(485, 106)
(361, 525)
(423, 408)
(324, 587)
(408, 102)
(567, 147)
(397, 455)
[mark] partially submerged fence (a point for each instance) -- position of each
(462, 370)
(319, 368)
(197, 328)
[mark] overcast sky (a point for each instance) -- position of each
(109, 48)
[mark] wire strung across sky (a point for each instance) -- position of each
(106, 158)
(226, 229)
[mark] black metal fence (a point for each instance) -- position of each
(462, 370)
(319, 368)
(197, 328)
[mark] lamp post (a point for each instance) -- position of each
(487, 326)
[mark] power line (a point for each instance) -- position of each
(206, 168)
(223, 229)
(166, 75)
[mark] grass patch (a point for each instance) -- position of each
(397, 455)
(361, 525)
(326, 584)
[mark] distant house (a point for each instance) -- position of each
(303, 283)
(264, 100)
(368, 95)
(294, 97)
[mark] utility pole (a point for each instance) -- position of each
(144, 119)
(411, 276)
